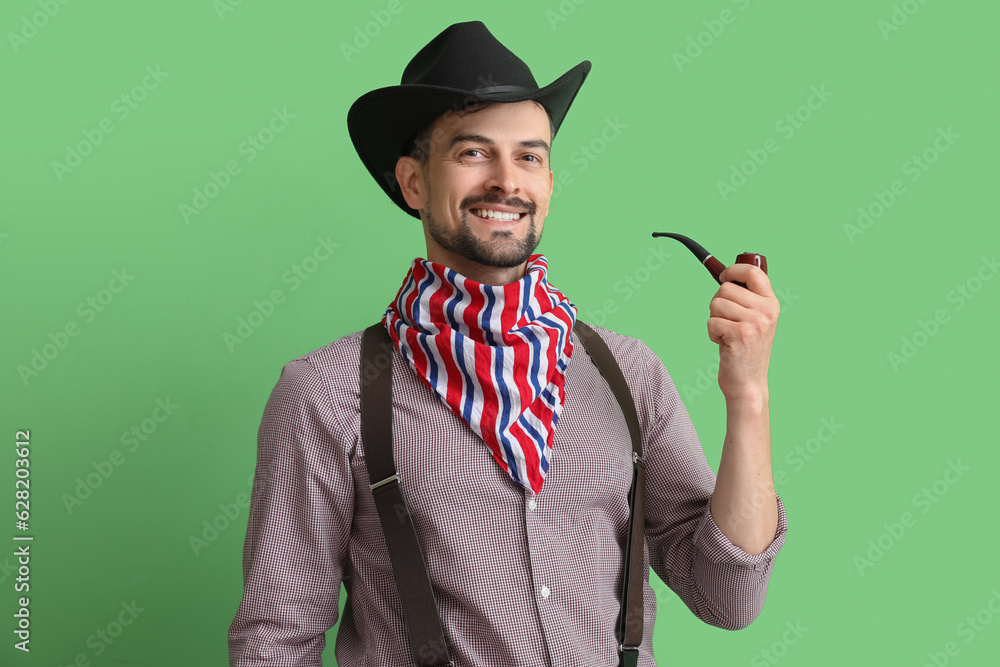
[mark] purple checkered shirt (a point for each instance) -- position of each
(519, 579)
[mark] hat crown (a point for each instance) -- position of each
(466, 56)
(464, 64)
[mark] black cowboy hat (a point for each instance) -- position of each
(464, 65)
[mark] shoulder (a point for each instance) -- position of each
(652, 387)
(326, 378)
(335, 361)
(630, 353)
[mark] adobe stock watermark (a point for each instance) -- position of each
(779, 649)
(787, 126)
(131, 440)
(747, 509)
(899, 17)
(926, 330)
(586, 154)
(802, 454)
(224, 7)
(363, 35)
(563, 11)
(915, 167)
(924, 500)
(714, 27)
(370, 370)
(663, 592)
(968, 630)
(88, 310)
(630, 284)
(213, 527)
(294, 277)
(434, 652)
(122, 107)
(7, 569)
(707, 378)
(30, 25)
(252, 146)
(106, 635)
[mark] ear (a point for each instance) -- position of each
(544, 210)
(411, 182)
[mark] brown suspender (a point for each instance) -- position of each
(423, 623)
(631, 617)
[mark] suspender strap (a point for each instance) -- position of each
(423, 623)
(632, 617)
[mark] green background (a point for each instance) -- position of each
(848, 301)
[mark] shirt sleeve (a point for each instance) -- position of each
(298, 528)
(718, 581)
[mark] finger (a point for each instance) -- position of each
(755, 279)
(728, 309)
(723, 331)
(742, 337)
(741, 295)
(735, 304)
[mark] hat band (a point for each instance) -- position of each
(502, 89)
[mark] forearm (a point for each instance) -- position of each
(743, 503)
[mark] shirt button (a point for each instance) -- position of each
(532, 504)
(545, 592)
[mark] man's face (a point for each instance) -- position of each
(486, 186)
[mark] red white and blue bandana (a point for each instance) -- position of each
(496, 355)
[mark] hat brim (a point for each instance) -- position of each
(382, 122)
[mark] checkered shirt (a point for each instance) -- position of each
(519, 579)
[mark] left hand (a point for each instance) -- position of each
(742, 321)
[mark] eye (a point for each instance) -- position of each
(533, 158)
(470, 152)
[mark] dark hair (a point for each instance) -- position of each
(419, 146)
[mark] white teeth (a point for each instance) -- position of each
(496, 215)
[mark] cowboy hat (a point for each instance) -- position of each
(464, 65)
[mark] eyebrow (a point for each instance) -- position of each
(478, 138)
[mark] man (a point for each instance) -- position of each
(512, 453)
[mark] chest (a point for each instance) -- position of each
(450, 478)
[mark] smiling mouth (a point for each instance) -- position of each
(493, 214)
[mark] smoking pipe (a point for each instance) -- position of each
(714, 266)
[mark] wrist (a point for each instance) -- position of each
(751, 398)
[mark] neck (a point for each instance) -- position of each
(487, 275)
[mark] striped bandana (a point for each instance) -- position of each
(495, 355)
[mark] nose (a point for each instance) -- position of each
(503, 178)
